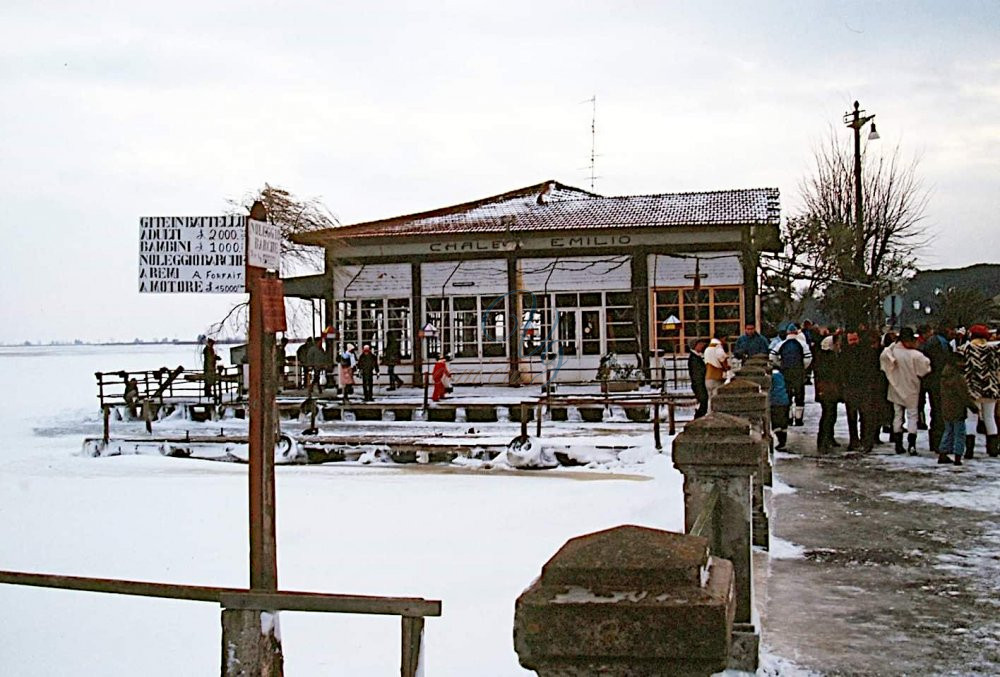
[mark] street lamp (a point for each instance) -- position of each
(856, 120)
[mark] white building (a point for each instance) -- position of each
(547, 274)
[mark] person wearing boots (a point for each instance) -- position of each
(779, 408)
(716, 366)
(793, 356)
(862, 390)
(904, 366)
(391, 358)
(938, 351)
(368, 366)
(828, 377)
(696, 370)
(982, 374)
(955, 401)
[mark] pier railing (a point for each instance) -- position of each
(411, 610)
(164, 384)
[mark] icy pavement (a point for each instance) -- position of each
(885, 564)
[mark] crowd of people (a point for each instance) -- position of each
(943, 380)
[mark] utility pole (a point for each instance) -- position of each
(856, 120)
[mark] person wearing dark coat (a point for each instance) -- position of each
(696, 370)
(368, 366)
(210, 364)
(391, 358)
(749, 344)
(862, 390)
(828, 374)
(955, 401)
(938, 351)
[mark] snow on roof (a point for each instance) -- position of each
(564, 207)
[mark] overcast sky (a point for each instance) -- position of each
(115, 110)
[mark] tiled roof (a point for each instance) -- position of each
(568, 208)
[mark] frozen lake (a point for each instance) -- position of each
(474, 541)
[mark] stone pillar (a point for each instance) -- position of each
(723, 451)
(743, 398)
(759, 374)
(628, 601)
(251, 643)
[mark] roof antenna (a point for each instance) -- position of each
(593, 137)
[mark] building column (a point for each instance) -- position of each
(514, 322)
(640, 301)
(750, 259)
(417, 319)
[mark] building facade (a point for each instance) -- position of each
(540, 282)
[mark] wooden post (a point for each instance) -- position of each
(413, 633)
(538, 420)
(672, 427)
(260, 352)
(524, 420)
(107, 422)
(147, 416)
(656, 425)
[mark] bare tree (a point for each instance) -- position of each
(294, 215)
(965, 306)
(823, 251)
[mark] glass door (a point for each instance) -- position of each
(568, 335)
(590, 335)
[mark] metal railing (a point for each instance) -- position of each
(159, 385)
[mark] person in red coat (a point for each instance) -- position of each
(442, 378)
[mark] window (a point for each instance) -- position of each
(535, 324)
(366, 321)
(619, 315)
(588, 323)
(493, 320)
(700, 314)
(466, 323)
(468, 326)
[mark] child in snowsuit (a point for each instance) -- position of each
(955, 400)
(779, 408)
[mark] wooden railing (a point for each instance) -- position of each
(411, 610)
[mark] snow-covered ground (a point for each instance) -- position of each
(472, 539)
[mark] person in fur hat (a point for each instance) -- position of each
(982, 374)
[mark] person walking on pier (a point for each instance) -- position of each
(210, 361)
(442, 377)
(368, 366)
(716, 366)
(391, 358)
(345, 372)
(696, 371)
(904, 366)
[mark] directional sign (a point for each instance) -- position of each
(263, 244)
(192, 254)
(892, 305)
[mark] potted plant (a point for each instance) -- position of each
(617, 377)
